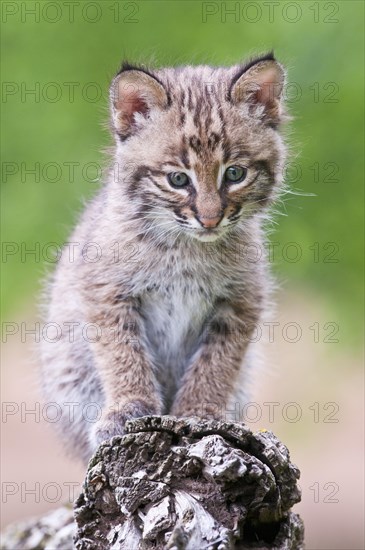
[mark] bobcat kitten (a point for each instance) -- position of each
(157, 315)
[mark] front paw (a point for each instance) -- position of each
(113, 420)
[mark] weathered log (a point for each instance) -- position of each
(53, 531)
(187, 484)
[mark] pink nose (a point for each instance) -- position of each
(209, 223)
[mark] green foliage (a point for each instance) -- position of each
(325, 60)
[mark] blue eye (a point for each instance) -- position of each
(178, 179)
(235, 174)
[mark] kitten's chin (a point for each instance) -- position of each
(207, 236)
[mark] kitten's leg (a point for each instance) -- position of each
(210, 379)
(129, 384)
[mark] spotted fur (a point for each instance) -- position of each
(173, 299)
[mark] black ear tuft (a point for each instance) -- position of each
(127, 66)
(269, 56)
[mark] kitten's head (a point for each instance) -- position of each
(198, 147)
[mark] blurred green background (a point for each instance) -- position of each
(68, 56)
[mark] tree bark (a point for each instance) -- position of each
(186, 484)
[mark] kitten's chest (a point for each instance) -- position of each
(174, 316)
(175, 310)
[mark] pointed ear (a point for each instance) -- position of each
(134, 92)
(260, 84)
